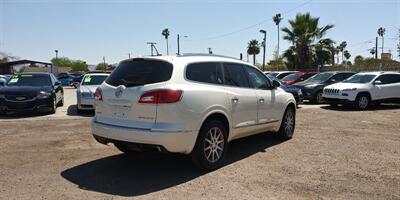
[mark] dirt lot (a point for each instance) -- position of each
(337, 154)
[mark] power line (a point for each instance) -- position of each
(248, 27)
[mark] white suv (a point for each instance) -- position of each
(362, 89)
(190, 104)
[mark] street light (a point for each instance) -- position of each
(178, 40)
(56, 53)
(263, 44)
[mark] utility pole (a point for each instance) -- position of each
(376, 48)
(104, 63)
(209, 51)
(179, 52)
(129, 55)
(241, 56)
(56, 53)
(151, 47)
(263, 44)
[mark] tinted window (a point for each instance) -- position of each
(360, 78)
(282, 75)
(205, 72)
(93, 80)
(338, 77)
(347, 75)
(389, 78)
(30, 80)
(306, 76)
(140, 72)
(257, 79)
(319, 78)
(234, 75)
(291, 77)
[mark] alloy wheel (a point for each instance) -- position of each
(214, 145)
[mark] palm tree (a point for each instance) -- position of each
(342, 47)
(381, 32)
(347, 54)
(302, 33)
(165, 33)
(323, 52)
(277, 19)
(253, 48)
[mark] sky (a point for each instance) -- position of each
(91, 29)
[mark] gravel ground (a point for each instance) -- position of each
(335, 154)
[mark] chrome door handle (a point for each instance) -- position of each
(235, 99)
(261, 100)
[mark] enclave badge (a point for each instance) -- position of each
(119, 91)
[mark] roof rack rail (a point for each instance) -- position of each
(206, 54)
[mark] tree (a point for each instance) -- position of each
(277, 19)
(303, 31)
(79, 65)
(75, 65)
(102, 66)
(398, 45)
(165, 33)
(253, 48)
(381, 31)
(347, 54)
(358, 60)
(322, 52)
(342, 47)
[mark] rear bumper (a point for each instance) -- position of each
(175, 141)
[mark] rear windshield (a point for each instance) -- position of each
(29, 80)
(93, 80)
(140, 72)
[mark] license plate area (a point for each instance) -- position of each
(120, 112)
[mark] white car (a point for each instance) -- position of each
(362, 89)
(190, 104)
(86, 89)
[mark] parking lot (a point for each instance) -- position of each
(335, 153)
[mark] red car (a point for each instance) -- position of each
(297, 77)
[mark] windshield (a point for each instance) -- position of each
(360, 78)
(291, 77)
(274, 74)
(320, 78)
(30, 80)
(140, 72)
(93, 79)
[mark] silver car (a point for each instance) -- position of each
(189, 104)
(86, 89)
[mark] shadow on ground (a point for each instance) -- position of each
(142, 174)
(23, 115)
(372, 107)
(72, 111)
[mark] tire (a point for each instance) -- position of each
(79, 111)
(211, 146)
(61, 102)
(362, 102)
(318, 99)
(288, 124)
(124, 149)
(53, 108)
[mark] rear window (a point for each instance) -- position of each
(140, 72)
(93, 79)
(207, 72)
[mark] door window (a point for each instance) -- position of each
(257, 79)
(389, 78)
(206, 72)
(234, 75)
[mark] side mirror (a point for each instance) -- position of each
(275, 84)
(333, 81)
(378, 82)
(301, 79)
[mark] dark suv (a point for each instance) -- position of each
(312, 88)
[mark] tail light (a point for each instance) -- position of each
(161, 96)
(98, 95)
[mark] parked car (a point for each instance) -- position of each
(33, 92)
(191, 104)
(87, 88)
(297, 77)
(3, 80)
(313, 87)
(296, 92)
(363, 89)
(65, 80)
(76, 78)
(280, 74)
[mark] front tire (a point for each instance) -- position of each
(362, 102)
(211, 146)
(288, 124)
(318, 99)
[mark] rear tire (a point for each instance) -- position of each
(211, 146)
(362, 102)
(288, 124)
(53, 108)
(318, 99)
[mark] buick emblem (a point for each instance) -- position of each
(119, 91)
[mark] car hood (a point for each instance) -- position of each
(88, 88)
(346, 85)
(289, 88)
(26, 90)
(303, 84)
